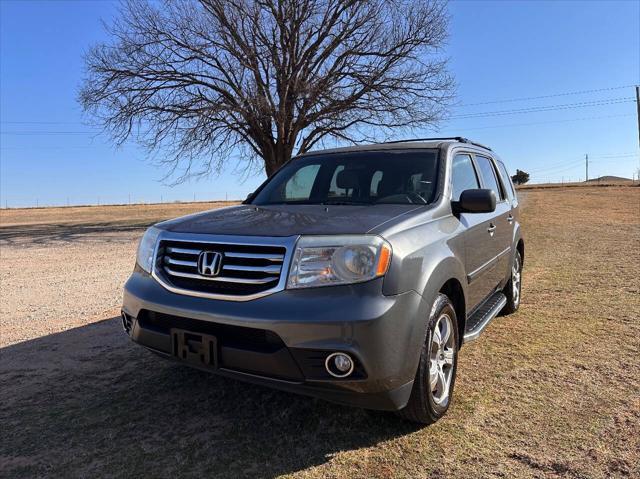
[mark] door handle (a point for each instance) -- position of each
(491, 229)
(510, 218)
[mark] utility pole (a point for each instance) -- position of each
(638, 109)
(586, 166)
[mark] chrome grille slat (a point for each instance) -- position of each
(250, 267)
(255, 269)
(224, 279)
(172, 249)
(279, 258)
(179, 262)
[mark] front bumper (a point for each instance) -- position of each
(281, 340)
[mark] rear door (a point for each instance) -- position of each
(499, 228)
(512, 199)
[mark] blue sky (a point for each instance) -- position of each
(499, 51)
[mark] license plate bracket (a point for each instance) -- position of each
(196, 348)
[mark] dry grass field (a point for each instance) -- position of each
(117, 215)
(551, 391)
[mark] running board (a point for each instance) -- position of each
(482, 317)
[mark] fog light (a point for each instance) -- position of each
(339, 365)
(342, 362)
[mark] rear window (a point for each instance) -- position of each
(488, 175)
(506, 179)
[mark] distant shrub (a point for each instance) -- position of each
(520, 178)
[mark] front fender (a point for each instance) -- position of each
(424, 258)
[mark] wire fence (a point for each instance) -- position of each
(10, 202)
(535, 180)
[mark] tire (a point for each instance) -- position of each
(429, 403)
(513, 293)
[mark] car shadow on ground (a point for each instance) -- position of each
(42, 234)
(87, 402)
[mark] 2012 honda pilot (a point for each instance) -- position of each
(353, 275)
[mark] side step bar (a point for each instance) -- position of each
(482, 317)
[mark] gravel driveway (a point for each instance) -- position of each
(53, 282)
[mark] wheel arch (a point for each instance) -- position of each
(448, 278)
(520, 249)
(454, 291)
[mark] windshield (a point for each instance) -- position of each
(362, 177)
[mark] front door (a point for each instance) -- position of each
(479, 241)
(480, 251)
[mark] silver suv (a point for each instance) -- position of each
(353, 275)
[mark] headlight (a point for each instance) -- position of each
(332, 260)
(146, 248)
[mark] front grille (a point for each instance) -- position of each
(246, 269)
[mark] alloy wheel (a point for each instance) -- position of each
(515, 280)
(442, 356)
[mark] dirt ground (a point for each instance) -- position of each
(551, 391)
(65, 267)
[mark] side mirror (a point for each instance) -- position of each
(476, 201)
(249, 198)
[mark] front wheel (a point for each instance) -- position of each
(513, 289)
(433, 386)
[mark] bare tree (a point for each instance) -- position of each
(205, 81)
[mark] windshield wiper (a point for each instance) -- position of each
(342, 202)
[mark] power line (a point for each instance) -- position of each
(547, 122)
(571, 164)
(47, 132)
(606, 158)
(507, 125)
(40, 123)
(621, 155)
(540, 109)
(581, 92)
(56, 147)
(556, 172)
(566, 106)
(602, 102)
(549, 169)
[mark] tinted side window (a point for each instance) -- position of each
(375, 183)
(506, 179)
(334, 191)
(488, 175)
(463, 176)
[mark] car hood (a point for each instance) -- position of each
(288, 220)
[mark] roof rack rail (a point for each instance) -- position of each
(479, 144)
(456, 138)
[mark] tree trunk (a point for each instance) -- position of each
(277, 157)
